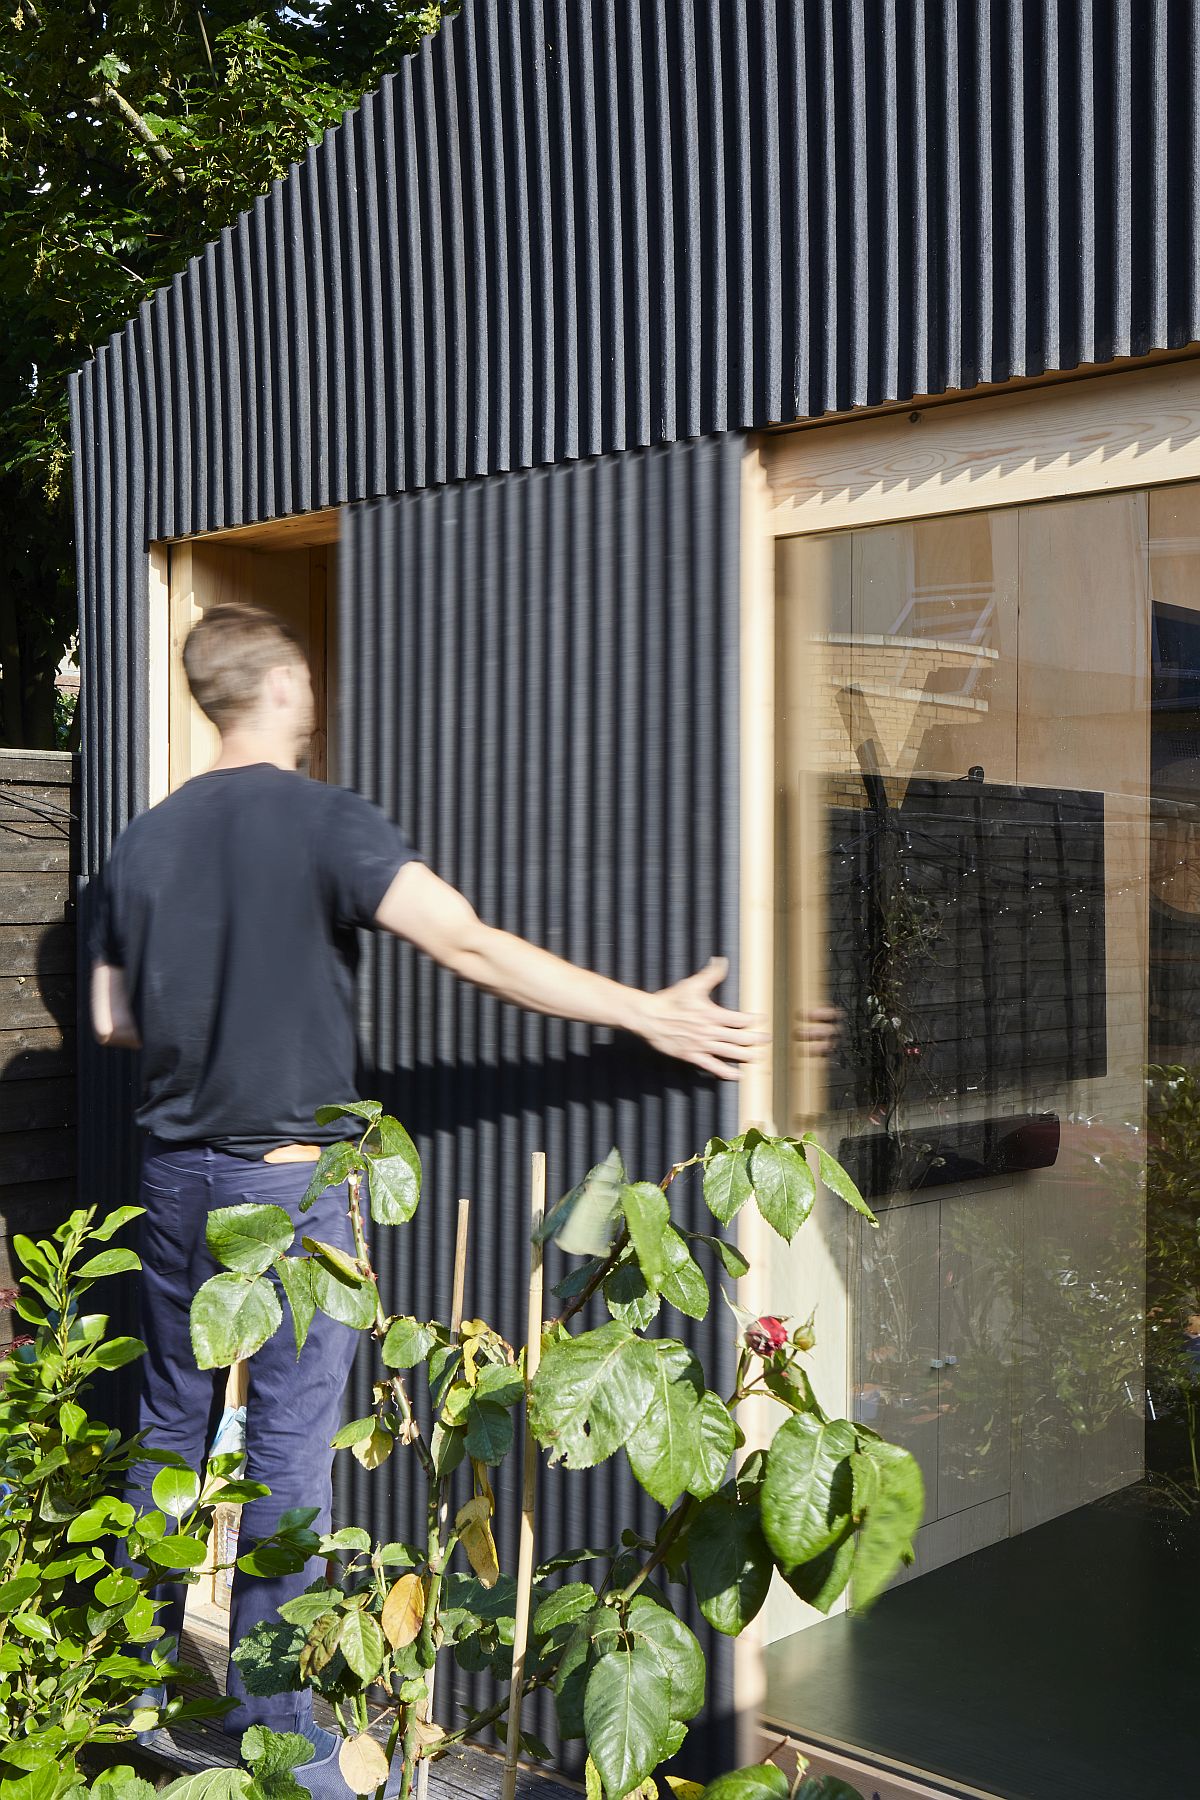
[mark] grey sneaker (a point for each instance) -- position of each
(156, 1738)
(322, 1776)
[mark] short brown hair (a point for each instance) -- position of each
(228, 654)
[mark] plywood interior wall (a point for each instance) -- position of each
(187, 579)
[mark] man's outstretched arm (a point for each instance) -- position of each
(112, 1016)
(682, 1021)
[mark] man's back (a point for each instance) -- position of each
(232, 909)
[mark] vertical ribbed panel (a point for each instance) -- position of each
(111, 411)
(571, 226)
(537, 681)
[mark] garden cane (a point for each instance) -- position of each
(533, 1345)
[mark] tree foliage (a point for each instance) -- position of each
(130, 135)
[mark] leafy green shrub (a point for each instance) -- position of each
(79, 1644)
(824, 1503)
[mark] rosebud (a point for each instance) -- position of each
(766, 1335)
(804, 1337)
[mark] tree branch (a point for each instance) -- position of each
(140, 129)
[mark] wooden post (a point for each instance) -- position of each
(456, 1313)
(533, 1347)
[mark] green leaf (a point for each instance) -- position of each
(362, 1645)
(177, 1553)
(295, 1274)
(583, 1222)
(677, 1649)
(348, 1297)
(683, 1286)
(732, 1260)
(628, 1296)
(626, 1714)
(115, 1220)
(350, 1537)
(839, 1182)
(356, 1432)
(662, 1447)
(501, 1383)
(590, 1393)
(407, 1342)
(15, 1592)
(761, 1781)
(806, 1501)
(564, 1604)
(783, 1185)
(716, 1441)
(353, 1109)
(248, 1238)
(232, 1318)
(489, 1431)
(825, 1787)
(175, 1491)
(891, 1520)
(393, 1175)
(109, 1262)
(727, 1185)
(269, 1658)
(333, 1167)
(730, 1563)
(647, 1214)
(118, 1351)
(447, 1446)
(822, 1580)
(212, 1784)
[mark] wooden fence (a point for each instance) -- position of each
(38, 860)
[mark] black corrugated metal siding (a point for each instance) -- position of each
(572, 226)
(539, 681)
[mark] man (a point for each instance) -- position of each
(224, 949)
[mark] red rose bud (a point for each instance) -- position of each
(766, 1335)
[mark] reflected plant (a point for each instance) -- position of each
(1173, 1253)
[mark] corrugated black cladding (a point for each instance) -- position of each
(572, 226)
(540, 684)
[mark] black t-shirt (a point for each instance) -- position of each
(232, 907)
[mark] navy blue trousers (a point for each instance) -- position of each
(293, 1409)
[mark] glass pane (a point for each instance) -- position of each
(989, 776)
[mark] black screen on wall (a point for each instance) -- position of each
(967, 941)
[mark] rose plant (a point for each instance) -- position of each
(825, 1503)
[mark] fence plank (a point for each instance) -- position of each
(36, 1105)
(30, 899)
(49, 855)
(36, 1003)
(31, 1055)
(37, 1156)
(37, 949)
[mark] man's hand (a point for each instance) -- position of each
(685, 1021)
(818, 1028)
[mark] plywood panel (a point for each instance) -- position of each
(1102, 435)
(205, 572)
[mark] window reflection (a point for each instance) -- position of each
(996, 718)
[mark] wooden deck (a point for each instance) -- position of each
(465, 1773)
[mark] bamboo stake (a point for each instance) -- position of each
(533, 1348)
(456, 1313)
